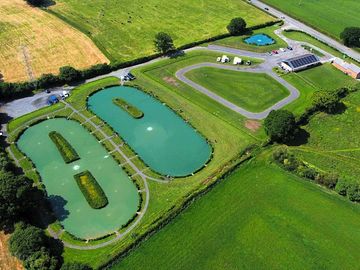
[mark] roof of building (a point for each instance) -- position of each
(302, 61)
(346, 65)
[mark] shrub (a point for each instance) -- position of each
(353, 192)
(237, 26)
(74, 266)
(130, 109)
(327, 179)
(307, 172)
(36, 3)
(341, 187)
(69, 74)
(91, 190)
(67, 152)
(351, 36)
(41, 260)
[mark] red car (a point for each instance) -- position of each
(275, 52)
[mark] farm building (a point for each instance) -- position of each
(300, 62)
(348, 68)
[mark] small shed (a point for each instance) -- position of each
(348, 68)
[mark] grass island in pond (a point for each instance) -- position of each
(68, 202)
(132, 110)
(161, 138)
(67, 152)
(91, 189)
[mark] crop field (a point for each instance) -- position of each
(254, 92)
(125, 30)
(324, 77)
(35, 42)
(334, 141)
(260, 217)
(238, 41)
(330, 17)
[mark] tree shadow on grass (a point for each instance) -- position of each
(301, 138)
(176, 54)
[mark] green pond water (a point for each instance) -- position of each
(69, 204)
(161, 138)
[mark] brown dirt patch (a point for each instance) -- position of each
(253, 125)
(7, 261)
(44, 40)
(171, 80)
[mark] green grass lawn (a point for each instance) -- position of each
(254, 92)
(330, 17)
(324, 77)
(239, 43)
(300, 36)
(125, 30)
(258, 218)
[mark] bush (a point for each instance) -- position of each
(327, 179)
(67, 152)
(237, 26)
(307, 172)
(69, 74)
(341, 187)
(36, 3)
(353, 192)
(75, 266)
(41, 260)
(91, 190)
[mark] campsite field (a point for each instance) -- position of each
(47, 42)
(254, 92)
(262, 218)
(330, 17)
(324, 77)
(125, 31)
(238, 41)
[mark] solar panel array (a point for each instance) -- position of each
(303, 61)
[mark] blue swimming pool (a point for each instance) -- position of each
(260, 40)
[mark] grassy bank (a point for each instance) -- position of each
(67, 152)
(91, 190)
(239, 221)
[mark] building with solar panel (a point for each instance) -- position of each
(300, 62)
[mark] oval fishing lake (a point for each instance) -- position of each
(161, 138)
(68, 202)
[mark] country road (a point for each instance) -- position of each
(305, 28)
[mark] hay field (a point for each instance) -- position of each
(47, 42)
(6, 260)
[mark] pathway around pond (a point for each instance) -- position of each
(262, 68)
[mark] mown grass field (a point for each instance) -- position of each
(330, 17)
(324, 77)
(258, 218)
(125, 30)
(47, 42)
(239, 43)
(334, 143)
(251, 91)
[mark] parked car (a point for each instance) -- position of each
(131, 77)
(47, 91)
(275, 52)
(289, 48)
(266, 8)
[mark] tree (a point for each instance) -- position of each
(237, 26)
(36, 3)
(325, 101)
(69, 74)
(351, 36)
(15, 197)
(26, 240)
(280, 126)
(163, 43)
(75, 266)
(41, 260)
